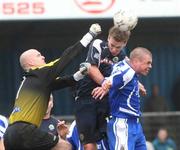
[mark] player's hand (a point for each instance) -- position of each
(99, 93)
(62, 129)
(95, 29)
(106, 85)
(142, 89)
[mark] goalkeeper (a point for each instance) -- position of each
(32, 97)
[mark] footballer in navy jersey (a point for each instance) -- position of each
(124, 129)
(104, 64)
(91, 114)
(50, 125)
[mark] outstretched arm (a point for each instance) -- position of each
(53, 69)
(71, 80)
(74, 50)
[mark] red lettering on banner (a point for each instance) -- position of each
(22, 8)
(38, 8)
(94, 6)
(8, 8)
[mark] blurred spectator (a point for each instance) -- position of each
(155, 102)
(163, 141)
(175, 94)
(149, 145)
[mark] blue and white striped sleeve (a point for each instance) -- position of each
(120, 76)
(3, 125)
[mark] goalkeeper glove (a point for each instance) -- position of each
(83, 70)
(95, 29)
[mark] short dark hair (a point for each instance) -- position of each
(119, 35)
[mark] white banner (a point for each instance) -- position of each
(84, 9)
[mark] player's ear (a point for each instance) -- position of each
(30, 63)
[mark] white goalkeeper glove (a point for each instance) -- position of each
(95, 29)
(83, 70)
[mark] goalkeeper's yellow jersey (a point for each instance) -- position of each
(34, 92)
(33, 95)
(31, 103)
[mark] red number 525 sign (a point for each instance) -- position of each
(22, 8)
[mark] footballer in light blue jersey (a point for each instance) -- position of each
(73, 138)
(124, 129)
(124, 92)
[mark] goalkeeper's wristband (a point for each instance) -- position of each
(93, 34)
(87, 38)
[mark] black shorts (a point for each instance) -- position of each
(25, 136)
(91, 118)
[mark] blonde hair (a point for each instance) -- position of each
(138, 52)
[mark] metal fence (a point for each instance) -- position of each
(151, 122)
